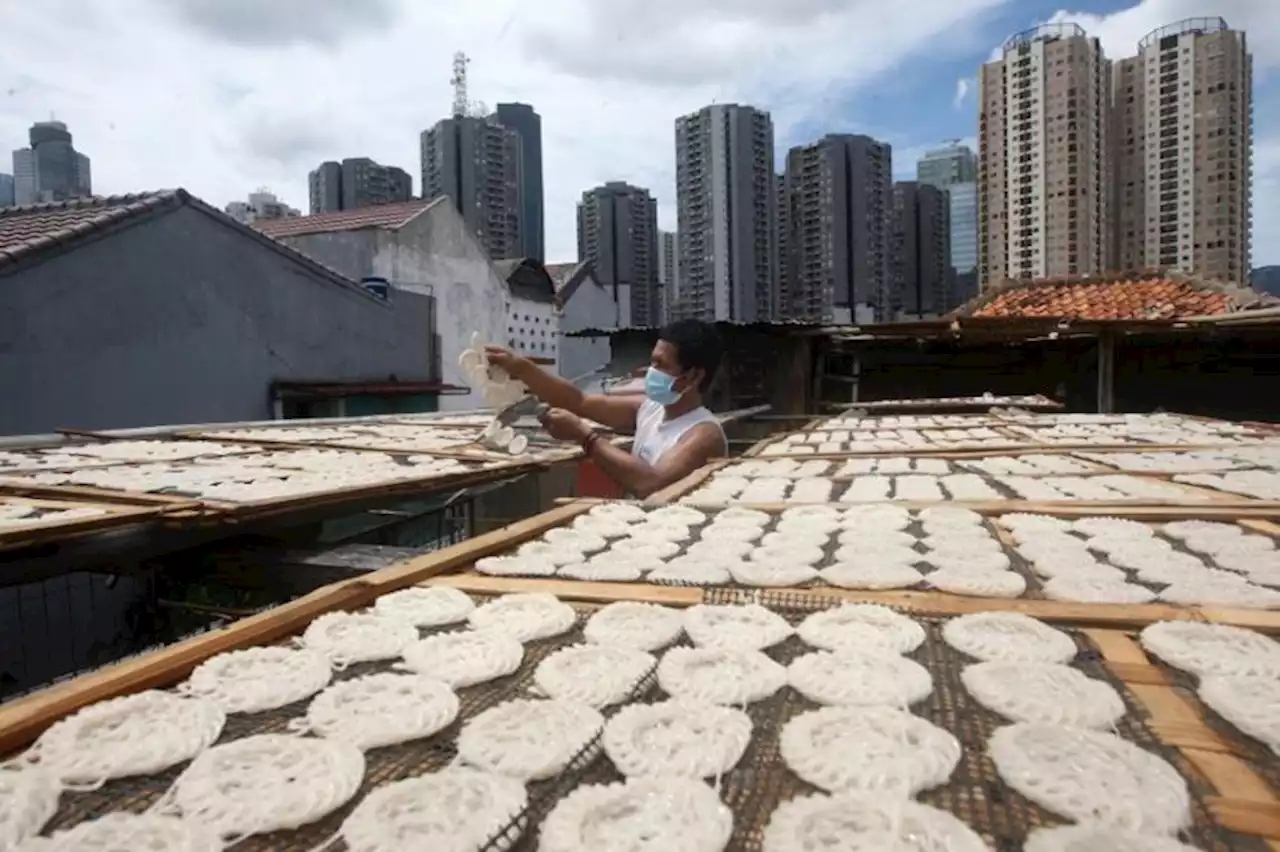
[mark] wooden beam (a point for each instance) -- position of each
(1106, 372)
(22, 720)
(575, 590)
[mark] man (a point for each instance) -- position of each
(674, 432)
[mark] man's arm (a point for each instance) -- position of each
(616, 412)
(698, 446)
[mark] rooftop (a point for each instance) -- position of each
(32, 228)
(29, 232)
(1124, 296)
(391, 216)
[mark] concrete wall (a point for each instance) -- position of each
(591, 306)
(435, 255)
(183, 319)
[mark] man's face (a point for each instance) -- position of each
(664, 359)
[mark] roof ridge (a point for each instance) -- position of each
(87, 202)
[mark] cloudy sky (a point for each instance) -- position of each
(223, 96)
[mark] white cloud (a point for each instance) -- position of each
(962, 92)
(222, 96)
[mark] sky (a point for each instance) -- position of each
(222, 97)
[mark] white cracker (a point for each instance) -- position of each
(677, 739)
(859, 679)
(594, 675)
(868, 750)
(861, 627)
(1008, 636)
(528, 739)
(719, 675)
(1088, 775)
(1049, 693)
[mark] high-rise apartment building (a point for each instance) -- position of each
(921, 249)
(668, 268)
(50, 169)
(6, 190)
(1182, 129)
(618, 235)
(356, 182)
(1043, 161)
(476, 163)
(527, 124)
(725, 197)
(954, 168)
(261, 205)
(838, 265)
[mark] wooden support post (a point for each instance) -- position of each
(1106, 372)
(857, 376)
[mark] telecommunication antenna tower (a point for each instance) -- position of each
(459, 83)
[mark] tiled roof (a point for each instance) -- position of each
(560, 273)
(32, 228)
(30, 231)
(391, 216)
(1129, 296)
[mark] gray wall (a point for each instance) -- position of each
(184, 319)
(433, 254)
(591, 306)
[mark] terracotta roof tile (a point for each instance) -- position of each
(29, 231)
(1150, 296)
(390, 216)
(35, 227)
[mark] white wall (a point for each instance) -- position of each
(533, 329)
(435, 251)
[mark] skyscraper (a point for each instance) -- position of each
(528, 125)
(942, 167)
(50, 169)
(725, 197)
(668, 267)
(954, 169)
(24, 177)
(476, 162)
(356, 182)
(618, 235)
(1044, 170)
(921, 249)
(1183, 130)
(839, 215)
(6, 190)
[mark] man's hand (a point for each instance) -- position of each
(565, 425)
(509, 361)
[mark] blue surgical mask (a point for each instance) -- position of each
(660, 387)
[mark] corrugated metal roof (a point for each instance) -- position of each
(787, 325)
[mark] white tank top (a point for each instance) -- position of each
(655, 434)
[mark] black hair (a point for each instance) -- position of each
(697, 344)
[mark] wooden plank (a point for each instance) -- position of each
(22, 720)
(53, 529)
(467, 552)
(684, 486)
(1136, 510)
(572, 589)
(1246, 803)
(1248, 817)
(20, 488)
